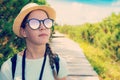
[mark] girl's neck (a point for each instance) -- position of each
(35, 52)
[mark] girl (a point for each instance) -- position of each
(36, 62)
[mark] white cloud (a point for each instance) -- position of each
(77, 13)
(116, 3)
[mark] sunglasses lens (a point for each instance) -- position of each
(48, 23)
(34, 24)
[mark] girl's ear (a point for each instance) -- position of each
(22, 32)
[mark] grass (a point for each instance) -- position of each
(106, 68)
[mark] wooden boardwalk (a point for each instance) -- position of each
(78, 66)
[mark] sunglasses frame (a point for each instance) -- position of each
(28, 21)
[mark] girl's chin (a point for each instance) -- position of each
(44, 42)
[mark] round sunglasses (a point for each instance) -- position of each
(36, 23)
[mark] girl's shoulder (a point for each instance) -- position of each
(6, 68)
(6, 64)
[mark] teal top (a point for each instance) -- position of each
(33, 69)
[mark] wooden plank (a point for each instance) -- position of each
(83, 78)
(78, 66)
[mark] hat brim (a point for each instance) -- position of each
(17, 22)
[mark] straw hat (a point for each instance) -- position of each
(27, 9)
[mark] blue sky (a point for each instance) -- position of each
(75, 12)
(99, 2)
(92, 2)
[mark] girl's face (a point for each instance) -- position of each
(36, 36)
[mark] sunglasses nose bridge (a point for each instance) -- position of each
(42, 26)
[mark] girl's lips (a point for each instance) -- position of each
(43, 35)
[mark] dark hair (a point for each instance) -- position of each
(24, 21)
(51, 59)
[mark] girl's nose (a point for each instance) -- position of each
(42, 26)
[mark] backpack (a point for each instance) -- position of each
(14, 59)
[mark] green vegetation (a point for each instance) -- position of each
(100, 43)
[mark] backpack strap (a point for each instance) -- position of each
(56, 60)
(13, 60)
